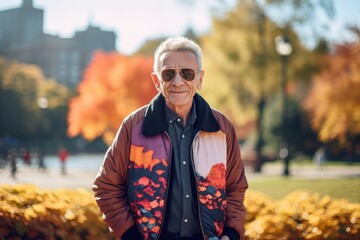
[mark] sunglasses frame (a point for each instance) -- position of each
(178, 70)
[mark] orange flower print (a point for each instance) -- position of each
(217, 176)
(143, 159)
(212, 196)
(219, 228)
(144, 181)
(147, 186)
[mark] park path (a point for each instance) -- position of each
(82, 169)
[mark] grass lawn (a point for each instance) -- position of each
(278, 187)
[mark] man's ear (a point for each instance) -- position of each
(201, 76)
(156, 81)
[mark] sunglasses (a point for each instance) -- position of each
(187, 74)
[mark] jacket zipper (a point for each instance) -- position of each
(196, 184)
(167, 186)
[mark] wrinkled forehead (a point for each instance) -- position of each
(178, 59)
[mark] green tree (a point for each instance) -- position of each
(302, 138)
(19, 110)
(32, 107)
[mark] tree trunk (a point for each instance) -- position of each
(261, 103)
(260, 136)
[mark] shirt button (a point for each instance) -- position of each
(184, 162)
(183, 136)
(185, 220)
(178, 119)
(187, 195)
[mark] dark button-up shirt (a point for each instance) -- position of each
(183, 214)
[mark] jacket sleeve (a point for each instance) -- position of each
(236, 185)
(110, 185)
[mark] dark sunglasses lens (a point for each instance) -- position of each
(168, 75)
(187, 74)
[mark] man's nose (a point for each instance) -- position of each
(178, 81)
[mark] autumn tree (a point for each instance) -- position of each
(113, 86)
(32, 107)
(333, 102)
(243, 68)
(303, 16)
(241, 49)
(18, 98)
(149, 46)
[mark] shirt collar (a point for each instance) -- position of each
(172, 116)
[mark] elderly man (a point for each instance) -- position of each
(174, 170)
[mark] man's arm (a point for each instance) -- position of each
(110, 187)
(236, 185)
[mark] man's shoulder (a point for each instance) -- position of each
(136, 116)
(219, 115)
(223, 121)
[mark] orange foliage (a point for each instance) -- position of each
(113, 86)
(334, 99)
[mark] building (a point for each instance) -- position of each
(64, 59)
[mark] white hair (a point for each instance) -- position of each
(176, 44)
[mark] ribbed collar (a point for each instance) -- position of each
(155, 117)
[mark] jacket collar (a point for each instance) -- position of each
(155, 116)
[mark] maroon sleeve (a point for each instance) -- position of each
(110, 185)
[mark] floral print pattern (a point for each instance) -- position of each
(149, 174)
(212, 200)
(148, 190)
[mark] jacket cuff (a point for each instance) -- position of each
(131, 234)
(231, 233)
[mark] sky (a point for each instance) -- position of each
(135, 21)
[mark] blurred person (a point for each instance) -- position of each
(63, 155)
(26, 157)
(320, 158)
(41, 160)
(11, 157)
(174, 169)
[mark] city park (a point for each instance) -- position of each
(286, 101)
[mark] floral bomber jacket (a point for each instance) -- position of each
(132, 184)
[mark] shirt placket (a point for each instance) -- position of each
(185, 173)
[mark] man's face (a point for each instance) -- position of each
(179, 92)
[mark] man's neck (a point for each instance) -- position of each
(182, 111)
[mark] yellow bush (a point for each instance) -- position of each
(27, 212)
(304, 215)
(258, 203)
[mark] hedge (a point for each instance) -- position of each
(301, 215)
(28, 212)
